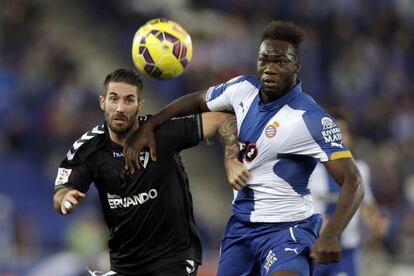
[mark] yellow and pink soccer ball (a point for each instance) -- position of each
(161, 49)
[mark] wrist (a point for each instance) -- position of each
(154, 121)
(330, 234)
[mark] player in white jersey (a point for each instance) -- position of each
(325, 192)
(283, 132)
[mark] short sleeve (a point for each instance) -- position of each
(317, 135)
(180, 133)
(326, 134)
(222, 96)
(74, 174)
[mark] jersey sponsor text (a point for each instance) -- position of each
(116, 201)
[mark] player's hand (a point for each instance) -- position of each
(327, 249)
(70, 200)
(136, 142)
(237, 173)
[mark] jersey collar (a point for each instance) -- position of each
(279, 103)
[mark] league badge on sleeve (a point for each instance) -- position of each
(62, 176)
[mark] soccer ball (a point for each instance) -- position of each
(161, 49)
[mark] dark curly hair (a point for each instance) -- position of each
(283, 31)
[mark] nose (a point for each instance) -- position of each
(120, 108)
(270, 68)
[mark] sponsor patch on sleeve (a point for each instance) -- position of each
(62, 176)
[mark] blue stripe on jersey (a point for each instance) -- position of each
(333, 189)
(259, 114)
(243, 204)
(219, 89)
(295, 169)
(317, 121)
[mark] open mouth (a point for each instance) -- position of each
(119, 120)
(270, 82)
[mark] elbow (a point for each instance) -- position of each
(358, 186)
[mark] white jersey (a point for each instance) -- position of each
(281, 144)
(325, 192)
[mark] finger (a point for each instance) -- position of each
(153, 151)
(239, 184)
(72, 200)
(242, 180)
(136, 164)
(235, 186)
(129, 160)
(246, 173)
(78, 195)
(126, 158)
(66, 207)
(312, 254)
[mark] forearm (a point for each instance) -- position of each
(58, 197)
(351, 194)
(182, 106)
(227, 133)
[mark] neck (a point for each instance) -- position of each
(120, 138)
(268, 97)
(271, 97)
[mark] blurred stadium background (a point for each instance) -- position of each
(54, 55)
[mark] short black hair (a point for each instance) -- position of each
(283, 31)
(128, 76)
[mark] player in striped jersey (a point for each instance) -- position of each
(283, 133)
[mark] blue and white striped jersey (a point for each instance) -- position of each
(281, 142)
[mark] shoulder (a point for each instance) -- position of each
(244, 81)
(87, 144)
(249, 80)
(313, 114)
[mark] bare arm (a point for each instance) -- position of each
(224, 124)
(66, 199)
(185, 105)
(144, 135)
(327, 248)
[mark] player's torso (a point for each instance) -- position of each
(149, 211)
(276, 192)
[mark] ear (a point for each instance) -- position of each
(297, 66)
(141, 105)
(102, 102)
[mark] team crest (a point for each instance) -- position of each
(271, 129)
(327, 123)
(143, 158)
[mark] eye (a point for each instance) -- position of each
(130, 100)
(262, 60)
(112, 98)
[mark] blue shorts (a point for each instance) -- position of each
(261, 248)
(348, 265)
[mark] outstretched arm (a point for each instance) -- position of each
(327, 248)
(225, 125)
(144, 135)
